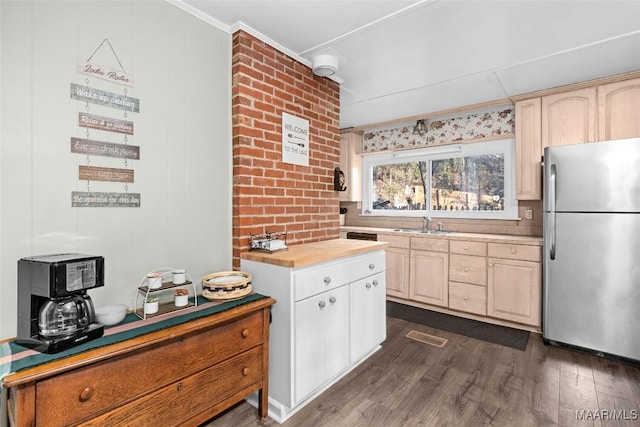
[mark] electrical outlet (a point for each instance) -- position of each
(528, 214)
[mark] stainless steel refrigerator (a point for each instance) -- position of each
(591, 288)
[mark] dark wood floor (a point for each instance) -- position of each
(468, 383)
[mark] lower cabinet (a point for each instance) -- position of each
(329, 316)
(398, 272)
(514, 290)
(322, 340)
(368, 311)
(428, 277)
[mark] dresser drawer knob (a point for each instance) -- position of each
(86, 394)
(513, 251)
(466, 269)
(375, 283)
(179, 386)
(245, 371)
(327, 280)
(245, 333)
(367, 285)
(466, 248)
(372, 266)
(322, 304)
(466, 298)
(332, 300)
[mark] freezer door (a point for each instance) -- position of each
(593, 177)
(591, 290)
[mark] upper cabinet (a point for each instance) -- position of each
(619, 110)
(569, 117)
(351, 166)
(528, 149)
(598, 113)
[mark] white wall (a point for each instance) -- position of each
(182, 75)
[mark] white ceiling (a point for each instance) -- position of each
(405, 58)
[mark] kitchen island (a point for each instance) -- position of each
(330, 315)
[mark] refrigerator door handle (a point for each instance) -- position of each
(552, 211)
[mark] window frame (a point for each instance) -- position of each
(503, 146)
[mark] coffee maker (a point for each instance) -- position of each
(54, 310)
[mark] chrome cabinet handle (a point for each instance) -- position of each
(322, 304)
(332, 300)
(372, 266)
(327, 280)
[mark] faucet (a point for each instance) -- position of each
(426, 221)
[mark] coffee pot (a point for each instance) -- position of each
(64, 316)
(54, 310)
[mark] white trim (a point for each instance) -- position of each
(198, 14)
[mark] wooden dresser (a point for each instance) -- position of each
(181, 375)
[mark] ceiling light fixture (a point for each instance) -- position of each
(325, 65)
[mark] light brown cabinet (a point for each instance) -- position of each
(468, 276)
(351, 166)
(182, 375)
(429, 271)
(619, 110)
(528, 150)
(428, 278)
(397, 274)
(569, 117)
(597, 113)
(514, 283)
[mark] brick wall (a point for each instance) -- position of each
(269, 195)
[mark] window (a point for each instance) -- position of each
(465, 181)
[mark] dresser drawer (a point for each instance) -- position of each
(519, 252)
(468, 248)
(433, 244)
(330, 275)
(468, 269)
(468, 298)
(175, 403)
(86, 391)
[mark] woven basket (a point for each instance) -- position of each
(226, 285)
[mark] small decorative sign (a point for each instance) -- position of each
(295, 140)
(93, 173)
(101, 97)
(105, 123)
(105, 73)
(104, 149)
(90, 199)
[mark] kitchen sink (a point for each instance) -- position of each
(418, 230)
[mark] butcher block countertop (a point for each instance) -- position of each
(313, 253)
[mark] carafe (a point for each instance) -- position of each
(64, 316)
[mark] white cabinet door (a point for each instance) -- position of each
(337, 331)
(368, 311)
(321, 339)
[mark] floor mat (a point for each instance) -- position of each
(509, 337)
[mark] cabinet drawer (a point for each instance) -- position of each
(519, 252)
(468, 269)
(468, 248)
(175, 403)
(95, 388)
(395, 241)
(469, 298)
(433, 244)
(320, 278)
